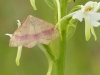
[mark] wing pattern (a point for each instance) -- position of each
(33, 31)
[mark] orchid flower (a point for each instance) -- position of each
(91, 17)
(19, 47)
(89, 13)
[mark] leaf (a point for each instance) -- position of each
(71, 28)
(48, 49)
(78, 7)
(51, 4)
(64, 23)
(69, 25)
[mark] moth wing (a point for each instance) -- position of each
(47, 31)
(25, 34)
(33, 31)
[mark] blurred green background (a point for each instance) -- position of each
(82, 58)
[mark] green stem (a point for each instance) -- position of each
(50, 62)
(62, 46)
(59, 14)
(62, 54)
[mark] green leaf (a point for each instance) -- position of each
(51, 4)
(33, 4)
(71, 28)
(64, 23)
(69, 24)
(48, 49)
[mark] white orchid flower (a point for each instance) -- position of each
(91, 17)
(19, 47)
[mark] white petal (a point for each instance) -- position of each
(95, 23)
(9, 35)
(87, 28)
(78, 15)
(97, 7)
(94, 16)
(19, 23)
(93, 32)
(90, 3)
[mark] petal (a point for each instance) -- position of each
(95, 23)
(89, 4)
(18, 55)
(93, 32)
(87, 28)
(96, 7)
(94, 16)
(9, 35)
(33, 4)
(19, 23)
(78, 15)
(87, 32)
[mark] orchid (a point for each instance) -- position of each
(19, 47)
(35, 31)
(89, 13)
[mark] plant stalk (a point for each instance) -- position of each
(62, 42)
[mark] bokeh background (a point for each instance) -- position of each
(82, 57)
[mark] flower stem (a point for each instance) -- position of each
(62, 54)
(62, 43)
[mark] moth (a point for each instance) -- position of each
(33, 31)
